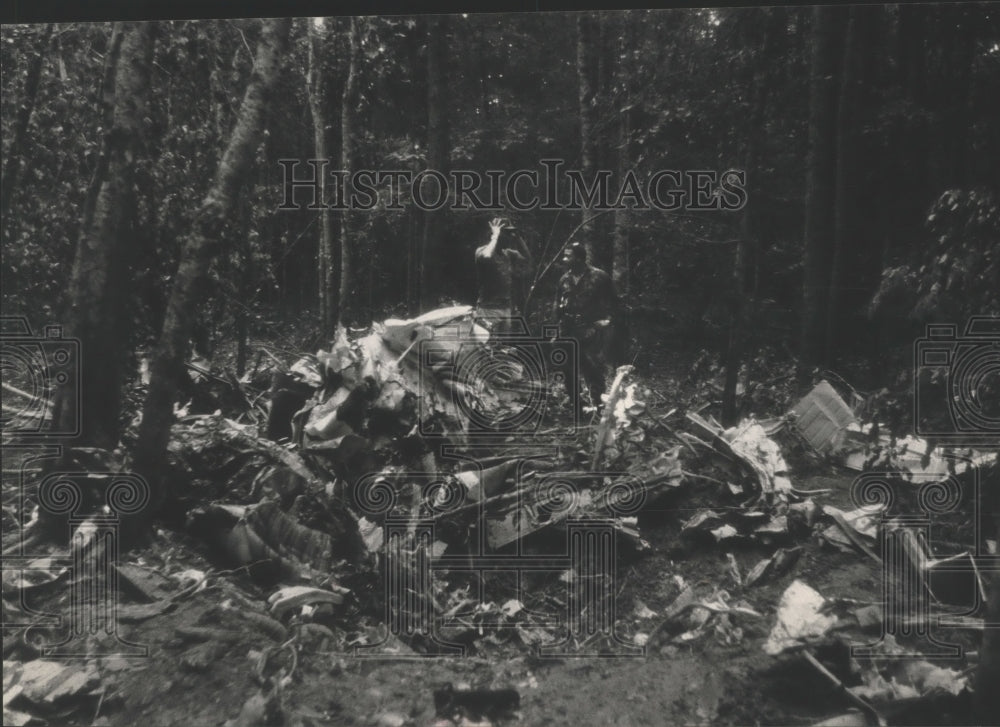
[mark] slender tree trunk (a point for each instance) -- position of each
(437, 158)
(108, 121)
(620, 51)
(956, 117)
(99, 314)
(412, 302)
(623, 74)
(606, 123)
(200, 247)
(245, 277)
(742, 301)
(12, 164)
(912, 190)
(847, 179)
(587, 36)
(313, 89)
(820, 171)
(348, 297)
(414, 217)
(316, 86)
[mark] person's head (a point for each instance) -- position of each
(575, 257)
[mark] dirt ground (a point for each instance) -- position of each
(705, 682)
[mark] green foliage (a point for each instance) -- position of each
(956, 273)
(39, 236)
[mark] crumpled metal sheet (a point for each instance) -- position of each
(822, 417)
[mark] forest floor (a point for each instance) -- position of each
(721, 677)
(706, 682)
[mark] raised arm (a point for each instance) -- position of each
(490, 248)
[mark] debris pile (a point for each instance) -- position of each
(387, 506)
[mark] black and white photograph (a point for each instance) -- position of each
(528, 366)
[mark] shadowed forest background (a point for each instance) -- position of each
(850, 123)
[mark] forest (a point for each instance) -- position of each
(231, 247)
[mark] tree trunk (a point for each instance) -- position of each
(414, 217)
(347, 304)
(99, 287)
(820, 170)
(108, 121)
(742, 301)
(623, 74)
(847, 179)
(956, 116)
(200, 247)
(587, 36)
(912, 189)
(245, 277)
(605, 126)
(316, 87)
(12, 164)
(437, 158)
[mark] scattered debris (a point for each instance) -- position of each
(262, 709)
(832, 429)
(200, 657)
(850, 694)
(774, 567)
(696, 616)
(619, 407)
(823, 419)
(855, 529)
(352, 427)
(800, 619)
(294, 597)
(909, 679)
(749, 443)
(48, 688)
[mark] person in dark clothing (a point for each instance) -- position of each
(586, 304)
(497, 262)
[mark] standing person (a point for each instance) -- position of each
(496, 263)
(585, 305)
